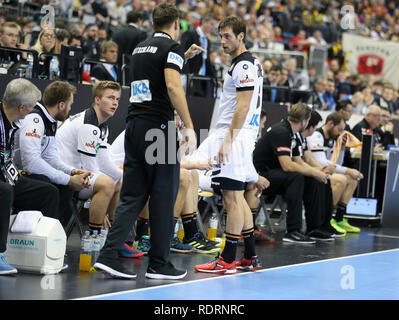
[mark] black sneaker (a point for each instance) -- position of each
(113, 267)
(320, 235)
(334, 233)
(201, 245)
(166, 272)
(297, 237)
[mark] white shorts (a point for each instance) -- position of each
(87, 193)
(239, 168)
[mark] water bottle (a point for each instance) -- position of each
(103, 237)
(180, 231)
(213, 227)
(95, 247)
(85, 252)
(29, 71)
(54, 69)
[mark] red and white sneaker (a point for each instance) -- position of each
(262, 237)
(249, 264)
(217, 266)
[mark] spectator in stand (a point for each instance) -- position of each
(117, 11)
(127, 37)
(317, 39)
(105, 71)
(377, 87)
(45, 44)
(75, 40)
(100, 9)
(335, 66)
(62, 39)
(200, 65)
(102, 33)
(386, 99)
(371, 122)
(331, 94)
(368, 97)
(90, 43)
(386, 128)
(267, 65)
(345, 108)
(284, 78)
(318, 99)
(377, 33)
(299, 42)
(9, 37)
(342, 85)
(78, 28)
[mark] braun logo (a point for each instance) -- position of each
(26, 243)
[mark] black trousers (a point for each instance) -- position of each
(27, 194)
(143, 179)
(291, 186)
(317, 199)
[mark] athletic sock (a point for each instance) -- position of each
(341, 210)
(189, 224)
(142, 228)
(230, 248)
(249, 241)
(94, 226)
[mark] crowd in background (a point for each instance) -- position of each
(290, 24)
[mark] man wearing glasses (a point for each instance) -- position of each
(371, 122)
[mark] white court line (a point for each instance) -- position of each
(383, 236)
(229, 276)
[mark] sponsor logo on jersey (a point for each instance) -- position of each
(175, 59)
(33, 132)
(245, 79)
(140, 91)
(90, 144)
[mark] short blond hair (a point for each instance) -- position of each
(100, 87)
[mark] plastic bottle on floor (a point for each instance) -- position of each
(180, 231)
(95, 248)
(85, 252)
(213, 227)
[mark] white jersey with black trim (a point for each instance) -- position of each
(245, 73)
(322, 150)
(81, 135)
(36, 148)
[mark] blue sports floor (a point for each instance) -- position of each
(361, 266)
(367, 276)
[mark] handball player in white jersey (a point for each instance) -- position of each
(231, 146)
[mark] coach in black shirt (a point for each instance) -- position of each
(151, 168)
(273, 159)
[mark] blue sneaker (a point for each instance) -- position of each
(128, 252)
(5, 268)
(143, 244)
(177, 246)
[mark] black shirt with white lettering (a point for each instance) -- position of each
(279, 140)
(148, 93)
